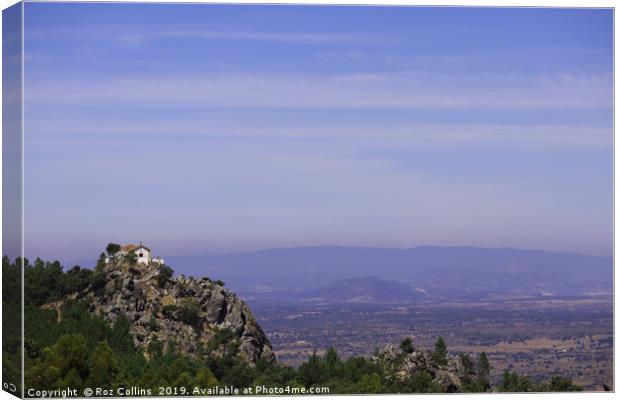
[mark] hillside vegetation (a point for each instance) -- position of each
(71, 343)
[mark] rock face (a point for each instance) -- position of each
(194, 313)
(450, 377)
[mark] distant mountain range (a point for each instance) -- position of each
(366, 290)
(442, 272)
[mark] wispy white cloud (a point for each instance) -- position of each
(381, 133)
(135, 40)
(412, 89)
(257, 35)
(137, 36)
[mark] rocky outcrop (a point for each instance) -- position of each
(195, 314)
(403, 365)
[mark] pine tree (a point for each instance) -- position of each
(112, 248)
(205, 378)
(484, 368)
(332, 361)
(100, 262)
(407, 345)
(440, 355)
(102, 366)
(312, 371)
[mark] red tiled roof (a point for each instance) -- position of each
(128, 247)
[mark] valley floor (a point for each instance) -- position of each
(537, 337)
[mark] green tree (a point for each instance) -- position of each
(45, 282)
(112, 248)
(70, 351)
(11, 322)
(165, 273)
(407, 345)
(42, 375)
(312, 372)
(467, 364)
(205, 378)
(512, 382)
(155, 349)
(238, 374)
(332, 361)
(66, 362)
(101, 262)
(190, 311)
(131, 258)
(506, 381)
(72, 379)
(484, 368)
(183, 380)
(468, 374)
(562, 384)
(369, 384)
(119, 337)
(98, 282)
(102, 366)
(440, 354)
(220, 338)
(419, 382)
(76, 279)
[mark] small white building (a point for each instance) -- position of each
(143, 253)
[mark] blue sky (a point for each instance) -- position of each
(216, 128)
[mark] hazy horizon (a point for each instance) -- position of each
(90, 260)
(202, 129)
